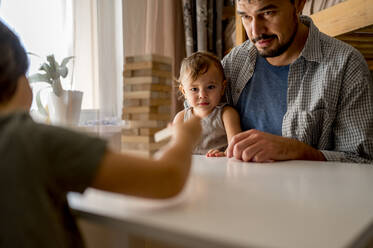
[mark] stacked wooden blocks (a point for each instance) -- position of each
(147, 101)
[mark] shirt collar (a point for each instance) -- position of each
(311, 50)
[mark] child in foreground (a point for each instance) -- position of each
(202, 82)
(40, 164)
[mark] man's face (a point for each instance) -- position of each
(270, 24)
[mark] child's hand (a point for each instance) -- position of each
(215, 153)
(188, 131)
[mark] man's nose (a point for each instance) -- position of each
(257, 28)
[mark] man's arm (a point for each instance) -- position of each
(353, 126)
(160, 177)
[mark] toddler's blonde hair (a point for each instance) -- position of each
(198, 64)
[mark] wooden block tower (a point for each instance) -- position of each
(147, 101)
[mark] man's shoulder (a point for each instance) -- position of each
(244, 47)
(337, 49)
(239, 52)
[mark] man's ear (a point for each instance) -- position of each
(223, 87)
(299, 5)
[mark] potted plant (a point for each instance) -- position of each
(63, 105)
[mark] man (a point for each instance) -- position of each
(300, 93)
(40, 164)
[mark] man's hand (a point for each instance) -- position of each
(256, 146)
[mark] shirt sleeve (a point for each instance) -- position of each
(353, 129)
(72, 158)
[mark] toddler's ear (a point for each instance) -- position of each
(181, 89)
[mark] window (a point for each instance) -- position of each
(90, 30)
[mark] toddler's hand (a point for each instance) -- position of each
(215, 153)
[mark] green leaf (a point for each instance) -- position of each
(53, 66)
(33, 54)
(66, 60)
(52, 61)
(63, 71)
(57, 87)
(40, 105)
(38, 77)
(45, 67)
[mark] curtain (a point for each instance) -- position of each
(155, 26)
(203, 26)
(98, 47)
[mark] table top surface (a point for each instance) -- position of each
(237, 204)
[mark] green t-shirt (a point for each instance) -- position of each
(39, 164)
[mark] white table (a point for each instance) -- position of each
(228, 203)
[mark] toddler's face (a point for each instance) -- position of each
(204, 93)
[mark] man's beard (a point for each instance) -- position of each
(282, 47)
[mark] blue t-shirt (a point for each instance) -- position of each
(262, 103)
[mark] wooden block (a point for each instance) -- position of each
(146, 102)
(142, 109)
(148, 80)
(147, 87)
(146, 95)
(164, 134)
(164, 109)
(147, 73)
(143, 146)
(140, 131)
(149, 131)
(149, 57)
(137, 139)
(131, 131)
(148, 65)
(146, 124)
(132, 102)
(138, 152)
(147, 109)
(146, 116)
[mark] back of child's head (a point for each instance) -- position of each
(13, 62)
(198, 64)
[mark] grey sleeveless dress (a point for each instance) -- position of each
(213, 131)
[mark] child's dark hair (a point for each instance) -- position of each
(198, 64)
(13, 62)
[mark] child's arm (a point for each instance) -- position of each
(179, 117)
(231, 121)
(166, 133)
(232, 126)
(160, 177)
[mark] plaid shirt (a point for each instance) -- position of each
(329, 96)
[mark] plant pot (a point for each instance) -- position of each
(65, 110)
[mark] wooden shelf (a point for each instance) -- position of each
(352, 22)
(344, 17)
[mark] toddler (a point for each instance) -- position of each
(202, 83)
